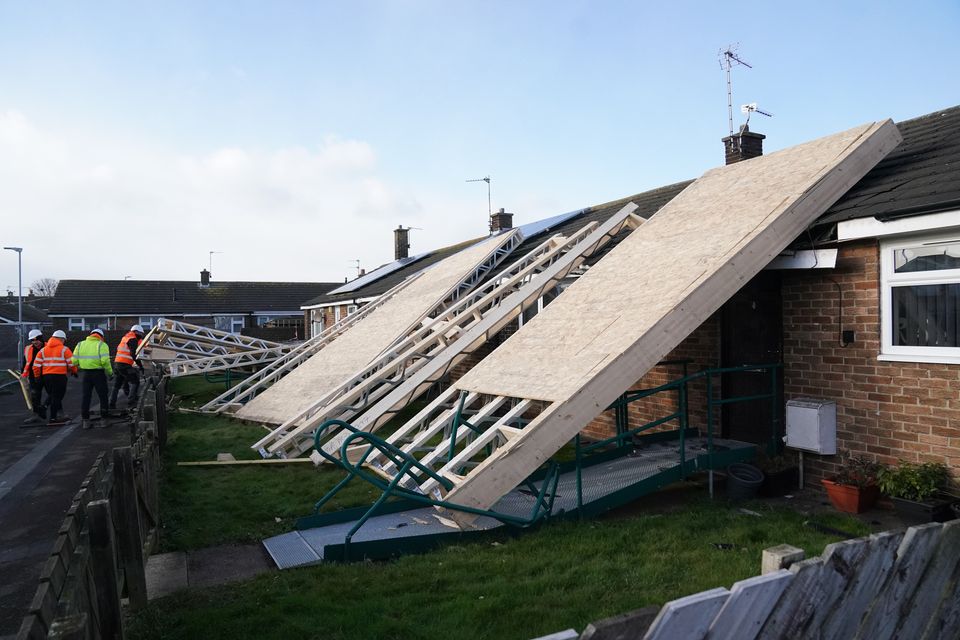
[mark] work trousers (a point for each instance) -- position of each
(36, 397)
(55, 384)
(94, 379)
(127, 377)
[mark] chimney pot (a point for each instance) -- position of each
(401, 242)
(204, 278)
(500, 221)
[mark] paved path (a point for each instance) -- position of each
(40, 471)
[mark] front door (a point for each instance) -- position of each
(752, 333)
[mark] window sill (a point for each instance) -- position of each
(928, 359)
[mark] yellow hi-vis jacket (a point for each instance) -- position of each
(93, 353)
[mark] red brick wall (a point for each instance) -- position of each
(702, 348)
(885, 410)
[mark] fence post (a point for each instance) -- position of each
(103, 564)
(131, 539)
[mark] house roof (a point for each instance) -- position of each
(158, 297)
(9, 312)
(920, 176)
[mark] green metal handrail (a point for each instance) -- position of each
(407, 465)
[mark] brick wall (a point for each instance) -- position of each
(885, 410)
(702, 349)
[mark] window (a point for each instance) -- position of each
(231, 324)
(75, 324)
(351, 308)
(88, 324)
(316, 322)
(336, 314)
(280, 322)
(920, 299)
(148, 322)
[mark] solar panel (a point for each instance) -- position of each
(377, 273)
(533, 228)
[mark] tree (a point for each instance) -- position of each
(44, 287)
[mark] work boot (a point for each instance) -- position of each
(34, 419)
(85, 424)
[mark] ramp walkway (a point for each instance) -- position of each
(600, 487)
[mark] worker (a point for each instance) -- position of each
(126, 358)
(52, 365)
(30, 353)
(93, 357)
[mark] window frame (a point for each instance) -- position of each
(889, 279)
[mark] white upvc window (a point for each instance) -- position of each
(232, 324)
(75, 324)
(351, 308)
(336, 314)
(920, 299)
(148, 322)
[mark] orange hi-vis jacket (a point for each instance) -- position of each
(54, 359)
(124, 356)
(28, 356)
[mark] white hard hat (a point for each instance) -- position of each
(60, 334)
(97, 331)
(136, 328)
(34, 333)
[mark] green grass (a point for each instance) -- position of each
(566, 574)
(208, 506)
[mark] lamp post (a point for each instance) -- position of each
(19, 251)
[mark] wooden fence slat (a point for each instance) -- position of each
(104, 572)
(749, 606)
(689, 617)
(796, 600)
(945, 622)
(75, 627)
(44, 604)
(914, 554)
(870, 573)
(31, 628)
(131, 537)
(915, 613)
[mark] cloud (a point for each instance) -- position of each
(87, 205)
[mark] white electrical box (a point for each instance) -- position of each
(812, 425)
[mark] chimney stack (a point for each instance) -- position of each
(401, 242)
(500, 221)
(204, 278)
(743, 145)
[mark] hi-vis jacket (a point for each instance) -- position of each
(30, 354)
(124, 354)
(54, 359)
(93, 353)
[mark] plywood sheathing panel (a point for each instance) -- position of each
(611, 326)
(361, 343)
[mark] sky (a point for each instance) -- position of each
(293, 137)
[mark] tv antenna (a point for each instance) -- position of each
(210, 260)
(487, 180)
(728, 58)
(752, 108)
(356, 265)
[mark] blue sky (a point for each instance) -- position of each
(294, 136)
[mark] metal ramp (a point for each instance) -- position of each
(601, 486)
(411, 366)
(535, 393)
(441, 285)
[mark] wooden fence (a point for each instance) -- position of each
(110, 530)
(896, 584)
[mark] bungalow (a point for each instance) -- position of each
(82, 305)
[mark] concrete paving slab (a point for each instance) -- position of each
(229, 563)
(166, 574)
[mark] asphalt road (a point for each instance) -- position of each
(41, 469)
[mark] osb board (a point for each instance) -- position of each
(350, 352)
(722, 219)
(639, 302)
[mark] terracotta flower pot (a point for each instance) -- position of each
(851, 498)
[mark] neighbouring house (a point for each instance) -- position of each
(237, 307)
(33, 318)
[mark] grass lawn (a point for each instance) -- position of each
(565, 574)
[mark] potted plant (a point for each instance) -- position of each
(854, 488)
(781, 475)
(917, 491)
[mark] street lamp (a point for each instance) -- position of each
(19, 251)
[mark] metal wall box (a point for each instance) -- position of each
(812, 425)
